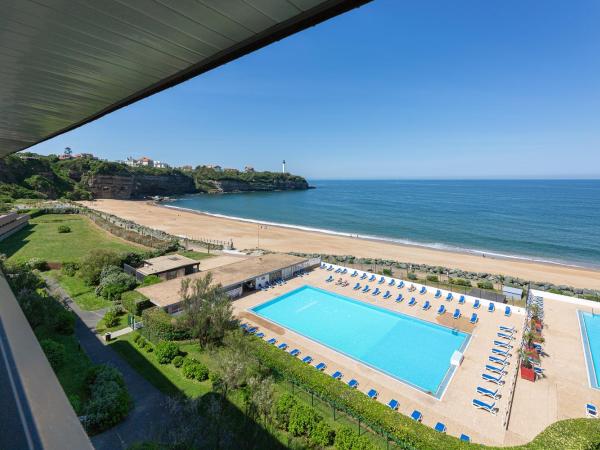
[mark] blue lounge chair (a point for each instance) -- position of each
(507, 311)
(323, 265)
(356, 286)
(591, 410)
(491, 307)
(502, 344)
(282, 346)
(376, 292)
(372, 394)
(412, 302)
(485, 406)
(353, 383)
(438, 294)
(510, 330)
(244, 326)
(506, 336)
(392, 282)
(477, 304)
(363, 276)
(366, 288)
(321, 366)
(426, 305)
(401, 284)
(355, 273)
(339, 269)
(393, 404)
(538, 371)
(344, 272)
(441, 310)
(497, 351)
(373, 278)
(252, 330)
(272, 341)
(502, 361)
(465, 437)
(381, 280)
(416, 415)
(330, 267)
(440, 427)
(423, 290)
(329, 280)
(387, 294)
(488, 393)
(295, 352)
(260, 335)
(461, 300)
(495, 369)
(456, 314)
(474, 318)
(399, 298)
(492, 379)
(307, 359)
(449, 297)
(337, 375)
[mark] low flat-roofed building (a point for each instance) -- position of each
(11, 223)
(167, 267)
(235, 278)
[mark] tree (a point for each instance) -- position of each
(92, 266)
(207, 310)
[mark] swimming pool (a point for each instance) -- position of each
(411, 350)
(590, 335)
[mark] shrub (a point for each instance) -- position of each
(150, 280)
(63, 322)
(411, 276)
(109, 400)
(70, 268)
(485, 285)
(148, 347)
(37, 264)
(281, 410)
(194, 369)
(303, 420)
(160, 326)
(460, 282)
(387, 272)
(433, 278)
(64, 229)
(55, 352)
(134, 302)
(141, 342)
(114, 284)
(75, 402)
(322, 435)
(348, 439)
(136, 338)
(111, 318)
(178, 361)
(165, 352)
(92, 266)
(216, 380)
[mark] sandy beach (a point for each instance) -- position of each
(245, 236)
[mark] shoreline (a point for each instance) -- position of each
(245, 234)
(388, 240)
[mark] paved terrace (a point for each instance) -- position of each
(455, 408)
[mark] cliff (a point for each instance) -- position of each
(132, 186)
(222, 186)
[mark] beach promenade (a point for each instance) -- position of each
(245, 235)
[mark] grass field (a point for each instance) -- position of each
(41, 239)
(80, 292)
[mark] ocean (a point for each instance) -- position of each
(544, 220)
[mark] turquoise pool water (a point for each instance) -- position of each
(408, 349)
(590, 330)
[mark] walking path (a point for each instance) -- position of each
(148, 413)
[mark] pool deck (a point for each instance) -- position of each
(455, 408)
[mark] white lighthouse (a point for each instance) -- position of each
(283, 166)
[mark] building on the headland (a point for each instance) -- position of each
(235, 279)
(186, 168)
(161, 165)
(213, 167)
(12, 222)
(249, 169)
(144, 161)
(166, 267)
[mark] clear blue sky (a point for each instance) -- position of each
(395, 89)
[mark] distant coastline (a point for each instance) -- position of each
(389, 240)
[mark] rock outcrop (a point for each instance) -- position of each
(222, 186)
(126, 187)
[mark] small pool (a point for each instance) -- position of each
(590, 335)
(411, 350)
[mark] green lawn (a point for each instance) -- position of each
(123, 323)
(80, 292)
(41, 239)
(165, 377)
(195, 255)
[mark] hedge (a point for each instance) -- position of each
(160, 326)
(134, 302)
(582, 434)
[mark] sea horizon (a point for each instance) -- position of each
(517, 223)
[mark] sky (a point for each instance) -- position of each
(391, 90)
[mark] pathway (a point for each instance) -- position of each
(149, 403)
